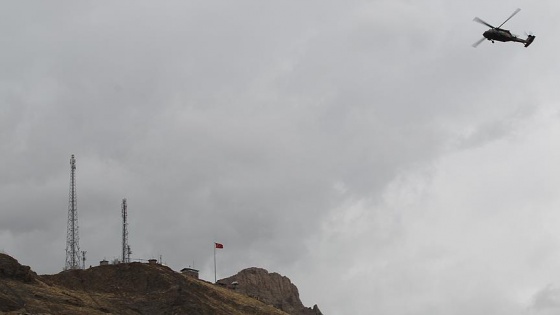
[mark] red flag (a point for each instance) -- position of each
(218, 245)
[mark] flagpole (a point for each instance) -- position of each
(215, 279)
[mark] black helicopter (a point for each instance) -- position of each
(501, 35)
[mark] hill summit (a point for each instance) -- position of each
(270, 288)
(132, 288)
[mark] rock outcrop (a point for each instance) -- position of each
(270, 288)
(10, 268)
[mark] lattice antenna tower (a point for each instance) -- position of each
(72, 238)
(125, 247)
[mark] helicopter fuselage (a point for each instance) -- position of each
(501, 35)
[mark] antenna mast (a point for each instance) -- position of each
(72, 238)
(125, 247)
(84, 259)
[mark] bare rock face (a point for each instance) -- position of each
(270, 288)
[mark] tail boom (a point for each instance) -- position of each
(529, 40)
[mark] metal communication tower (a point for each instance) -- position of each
(72, 238)
(125, 247)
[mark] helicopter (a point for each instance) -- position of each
(502, 35)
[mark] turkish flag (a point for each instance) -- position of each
(218, 245)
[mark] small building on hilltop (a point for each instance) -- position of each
(190, 272)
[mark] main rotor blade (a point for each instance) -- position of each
(479, 20)
(478, 43)
(514, 13)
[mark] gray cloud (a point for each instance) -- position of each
(547, 300)
(363, 149)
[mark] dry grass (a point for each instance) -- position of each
(124, 289)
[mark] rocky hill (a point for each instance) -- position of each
(133, 288)
(270, 288)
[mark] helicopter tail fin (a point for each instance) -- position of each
(529, 40)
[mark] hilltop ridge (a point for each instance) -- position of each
(132, 288)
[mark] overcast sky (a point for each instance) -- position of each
(364, 149)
